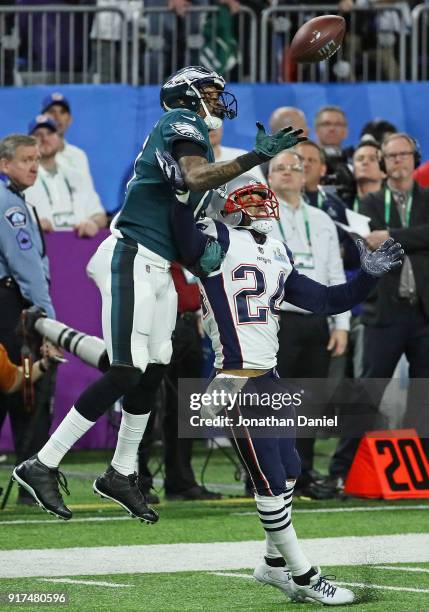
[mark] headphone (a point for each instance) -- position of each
(416, 148)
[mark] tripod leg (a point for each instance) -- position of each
(7, 493)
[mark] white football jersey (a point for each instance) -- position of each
(240, 301)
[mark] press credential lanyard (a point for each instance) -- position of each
(48, 193)
(387, 206)
(306, 224)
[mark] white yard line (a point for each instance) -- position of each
(340, 509)
(384, 587)
(114, 585)
(232, 575)
(360, 585)
(212, 556)
(97, 519)
(50, 521)
(398, 568)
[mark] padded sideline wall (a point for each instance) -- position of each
(110, 122)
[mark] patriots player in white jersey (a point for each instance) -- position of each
(240, 306)
(241, 300)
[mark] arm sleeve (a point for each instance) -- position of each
(190, 240)
(25, 264)
(308, 294)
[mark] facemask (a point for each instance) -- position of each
(233, 219)
(263, 226)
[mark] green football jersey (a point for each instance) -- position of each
(145, 216)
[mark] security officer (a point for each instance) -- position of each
(24, 278)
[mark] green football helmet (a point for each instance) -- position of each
(183, 89)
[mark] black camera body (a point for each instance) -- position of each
(339, 173)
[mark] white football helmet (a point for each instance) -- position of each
(245, 195)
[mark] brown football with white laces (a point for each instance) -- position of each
(318, 39)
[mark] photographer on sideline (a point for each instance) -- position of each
(331, 128)
(12, 376)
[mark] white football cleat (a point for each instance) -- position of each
(279, 577)
(321, 590)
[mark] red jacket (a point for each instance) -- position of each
(188, 293)
(421, 175)
(8, 370)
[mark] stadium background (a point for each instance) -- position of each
(110, 122)
(386, 542)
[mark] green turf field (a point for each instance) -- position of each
(111, 562)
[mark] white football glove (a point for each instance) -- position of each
(388, 256)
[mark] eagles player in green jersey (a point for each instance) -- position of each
(131, 269)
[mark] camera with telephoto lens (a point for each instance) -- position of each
(338, 173)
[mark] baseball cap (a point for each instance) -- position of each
(55, 98)
(42, 121)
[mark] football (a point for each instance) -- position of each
(318, 39)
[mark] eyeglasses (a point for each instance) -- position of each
(399, 155)
(334, 124)
(283, 167)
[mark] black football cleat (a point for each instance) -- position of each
(124, 491)
(42, 484)
(150, 497)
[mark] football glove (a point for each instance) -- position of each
(269, 145)
(173, 175)
(210, 260)
(388, 256)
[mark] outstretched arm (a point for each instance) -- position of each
(190, 240)
(200, 175)
(309, 294)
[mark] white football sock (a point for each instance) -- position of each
(279, 530)
(288, 495)
(129, 437)
(272, 552)
(68, 432)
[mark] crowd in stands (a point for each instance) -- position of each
(162, 35)
(318, 184)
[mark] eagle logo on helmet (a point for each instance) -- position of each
(184, 89)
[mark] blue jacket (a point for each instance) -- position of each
(22, 249)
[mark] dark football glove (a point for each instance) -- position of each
(173, 175)
(210, 260)
(269, 145)
(388, 256)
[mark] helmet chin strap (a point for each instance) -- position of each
(263, 226)
(212, 122)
